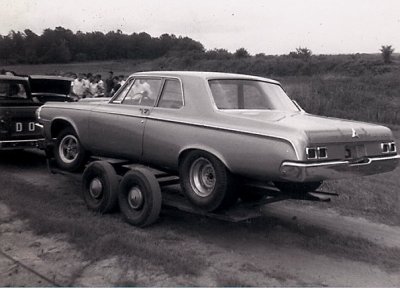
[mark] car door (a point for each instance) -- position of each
(163, 134)
(117, 127)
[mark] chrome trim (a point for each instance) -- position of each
(22, 141)
(338, 169)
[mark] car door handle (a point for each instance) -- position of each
(145, 111)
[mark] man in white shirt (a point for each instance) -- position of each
(80, 86)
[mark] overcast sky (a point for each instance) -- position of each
(260, 26)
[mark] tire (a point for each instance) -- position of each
(139, 197)
(206, 182)
(68, 151)
(297, 188)
(100, 187)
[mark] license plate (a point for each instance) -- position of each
(356, 151)
(24, 127)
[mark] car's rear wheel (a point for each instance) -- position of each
(100, 187)
(68, 151)
(297, 188)
(139, 197)
(206, 181)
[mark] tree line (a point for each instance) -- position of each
(62, 46)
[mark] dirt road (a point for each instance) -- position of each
(49, 238)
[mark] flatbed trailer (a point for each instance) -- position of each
(146, 190)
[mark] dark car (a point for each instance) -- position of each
(20, 96)
(18, 128)
(51, 88)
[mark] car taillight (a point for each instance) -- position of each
(316, 153)
(388, 147)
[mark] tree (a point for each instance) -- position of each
(387, 52)
(241, 53)
(301, 53)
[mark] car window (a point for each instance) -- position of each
(250, 94)
(253, 98)
(12, 90)
(171, 96)
(143, 92)
(121, 94)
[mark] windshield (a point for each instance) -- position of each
(250, 94)
(13, 90)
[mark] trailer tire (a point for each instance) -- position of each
(206, 182)
(68, 151)
(100, 187)
(139, 197)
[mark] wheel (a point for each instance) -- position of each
(297, 188)
(68, 151)
(139, 197)
(206, 181)
(100, 187)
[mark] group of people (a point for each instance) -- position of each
(89, 85)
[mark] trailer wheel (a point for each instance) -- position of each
(206, 181)
(139, 197)
(68, 151)
(297, 188)
(100, 187)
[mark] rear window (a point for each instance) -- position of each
(50, 86)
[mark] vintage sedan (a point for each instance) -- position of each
(216, 131)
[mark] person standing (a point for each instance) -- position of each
(80, 86)
(117, 85)
(109, 83)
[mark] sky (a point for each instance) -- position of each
(272, 27)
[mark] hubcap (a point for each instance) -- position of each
(202, 177)
(68, 149)
(96, 188)
(135, 198)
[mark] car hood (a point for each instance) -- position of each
(316, 129)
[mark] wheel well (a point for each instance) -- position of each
(59, 125)
(183, 154)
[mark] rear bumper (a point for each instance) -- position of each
(21, 144)
(308, 172)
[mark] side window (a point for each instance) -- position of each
(171, 96)
(143, 92)
(121, 95)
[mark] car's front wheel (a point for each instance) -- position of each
(68, 151)
(206, 182)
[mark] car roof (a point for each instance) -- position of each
(50, 77)
(204, 75)
(12, 77)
